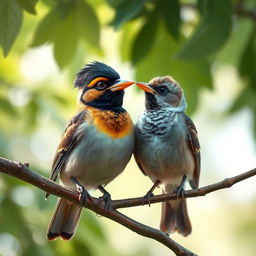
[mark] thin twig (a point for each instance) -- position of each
(22, 172)
(226, 183)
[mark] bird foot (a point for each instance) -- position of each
(147, 197)
(106, 197)
(84, 196)
(180, 189)
(180, 192)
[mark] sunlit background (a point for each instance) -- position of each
(36, 101)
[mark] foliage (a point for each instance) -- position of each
(186, 32)
(182, 38)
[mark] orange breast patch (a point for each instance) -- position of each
(115, 125)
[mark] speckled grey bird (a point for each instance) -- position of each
(167, 149)
(96, 145)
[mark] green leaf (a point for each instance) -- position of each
(170, 12)
(254, 122)
(129, 33)
(248, 61)
(160, 62)
(88, 24)
(66, 39)
(212, 32)
(145, 39)
(46, 29)
(64, 25)
(200, 6)
(32, 109)
(127, 10)
(232, 52)
(7, 107)
(245, 98)
(28, 5)
(10, 23)
(50, 3)
(114, 3)
(239, 102)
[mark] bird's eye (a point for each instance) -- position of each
(162, 89)
(101, 85)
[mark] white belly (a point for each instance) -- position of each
(97, 159)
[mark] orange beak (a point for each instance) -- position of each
(121, 85)
(145, 87)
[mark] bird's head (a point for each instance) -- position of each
(163, 92)
(100, 86)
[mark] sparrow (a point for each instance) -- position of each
(167, 149)
(96, 145)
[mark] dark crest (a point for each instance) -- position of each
(93, 70)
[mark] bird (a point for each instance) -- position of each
(96, 145)
(167, 149)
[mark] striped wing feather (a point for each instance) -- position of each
(69, 140)
(193, 143)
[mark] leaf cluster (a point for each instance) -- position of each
(159, 37)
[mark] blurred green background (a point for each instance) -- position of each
(209, 46)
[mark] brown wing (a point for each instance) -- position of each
(193, 143)
(69, 140)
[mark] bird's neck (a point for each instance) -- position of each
(116, 109)
(153, 105)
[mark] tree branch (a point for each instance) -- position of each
(21, 171)
(226, 183)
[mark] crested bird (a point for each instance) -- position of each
(167, 149)
(96, 145)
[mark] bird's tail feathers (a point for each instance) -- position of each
(64, 220)
(175, 217)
